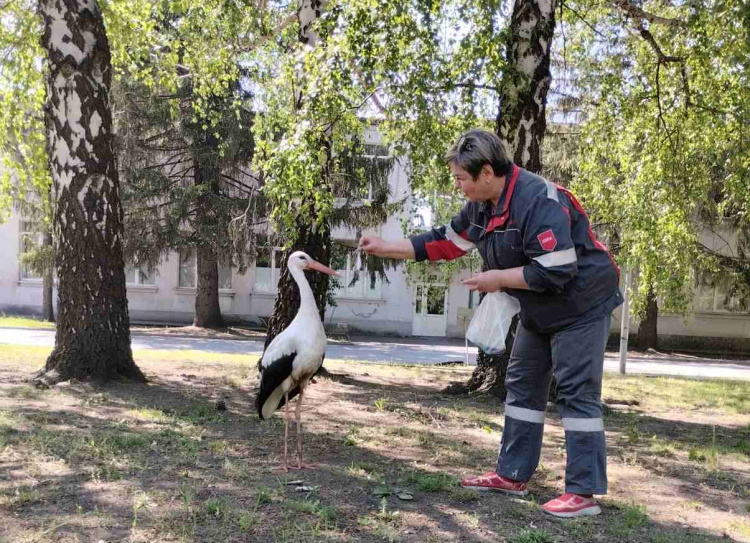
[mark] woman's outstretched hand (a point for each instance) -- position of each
(400, 249)
(372, 245)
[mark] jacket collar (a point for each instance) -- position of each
(505, 196)
(501, 212)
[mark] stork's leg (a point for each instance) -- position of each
(285, 464)
(298, 414)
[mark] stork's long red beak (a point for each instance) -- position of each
(317, 266)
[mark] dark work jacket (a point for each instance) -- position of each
(541, 227)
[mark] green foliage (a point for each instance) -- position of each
(162, 43)
(665, 145)
(185, 177)
(23, 159)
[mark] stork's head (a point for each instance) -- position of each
(302, 261)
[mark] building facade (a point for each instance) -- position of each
(399, 306)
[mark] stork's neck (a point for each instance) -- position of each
(307, 303)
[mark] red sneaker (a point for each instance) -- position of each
(571, 505)
(493, 481)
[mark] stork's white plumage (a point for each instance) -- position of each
(295, 355)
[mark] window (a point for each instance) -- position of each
(355, 283)
(139, 276)
(188, 269)
(376, 151)
(188, 275)
(378, 169)
(710, 296)
(363, 176)
(435, 300)
(225, 277)
(267, 263)
(429, 300)
(29, 239)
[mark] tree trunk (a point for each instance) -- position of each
(521, 124)
(647, 337)
(93, 330)
(207, 309)
(521, 115)
(315, 241)
(48, 310)
(318, 246)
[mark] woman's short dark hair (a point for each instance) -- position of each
(476, 148)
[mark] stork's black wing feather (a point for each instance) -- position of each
(272, 377)
(295, 391)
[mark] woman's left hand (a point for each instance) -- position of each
(489, 281)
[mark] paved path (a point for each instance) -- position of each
(403, 351)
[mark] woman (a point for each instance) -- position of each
(537, 244)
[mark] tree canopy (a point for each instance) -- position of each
(665, 138)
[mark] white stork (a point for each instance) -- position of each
(295, 355)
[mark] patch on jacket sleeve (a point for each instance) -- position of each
(547, 240)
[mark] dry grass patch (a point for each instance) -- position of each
(161, 463)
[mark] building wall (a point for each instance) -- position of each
(17, 296)
(392, 313)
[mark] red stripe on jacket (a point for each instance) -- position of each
(598, 244)
(442, 249)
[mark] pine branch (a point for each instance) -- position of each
(249, 189)
(161, 165)
(157, 136)
(249, 174)
(155, 207)
(182, 174)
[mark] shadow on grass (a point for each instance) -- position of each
(159, 462)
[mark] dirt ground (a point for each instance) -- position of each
(160, 463)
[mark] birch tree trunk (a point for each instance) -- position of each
(316, 242)
(93, 330)
(521, 112)
(521, 124)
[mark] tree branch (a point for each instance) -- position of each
(236, 183)
(474, 86)
(632, 11)
(663, 59)
(574, 12)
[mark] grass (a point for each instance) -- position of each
(688, 394)
(9, 321)
(532, 536)
(160, 463)
(438, 482)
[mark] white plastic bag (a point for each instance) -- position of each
(490, 324)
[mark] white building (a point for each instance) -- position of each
(399, 307)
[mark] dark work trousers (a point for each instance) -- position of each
(575, 355)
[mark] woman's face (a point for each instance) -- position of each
(475, 190)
